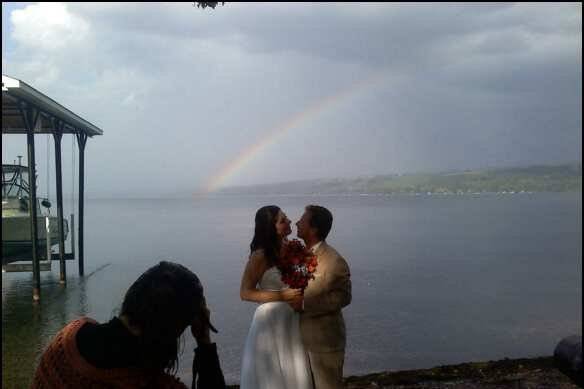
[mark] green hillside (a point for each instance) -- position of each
(564, 178)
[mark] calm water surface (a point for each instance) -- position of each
(436, 279)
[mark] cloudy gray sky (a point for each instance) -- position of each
(190, 99)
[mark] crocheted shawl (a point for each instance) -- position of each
(62, 366)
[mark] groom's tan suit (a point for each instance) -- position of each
(321, 324)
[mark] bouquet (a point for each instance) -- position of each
(297, 264)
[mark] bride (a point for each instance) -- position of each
(273, 356)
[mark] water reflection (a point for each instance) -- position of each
(28, 327)
(517, 260)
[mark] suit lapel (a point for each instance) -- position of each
(321, 257)
(321, 249)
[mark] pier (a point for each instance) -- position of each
(29, 112)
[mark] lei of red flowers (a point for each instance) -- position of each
(297, 264)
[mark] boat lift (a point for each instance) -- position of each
(28, 111)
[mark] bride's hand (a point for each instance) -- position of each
(291, 295)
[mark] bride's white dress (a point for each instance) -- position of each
(274, 356)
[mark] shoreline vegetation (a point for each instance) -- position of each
(506, 373)
(561, 178)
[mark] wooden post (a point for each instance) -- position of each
(58, 135)
(72, 229)
(31, 116)
(81, 140)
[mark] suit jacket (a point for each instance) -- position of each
(321, 323)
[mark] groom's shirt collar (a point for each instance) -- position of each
(315, 247)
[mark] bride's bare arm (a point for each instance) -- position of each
(255, 268)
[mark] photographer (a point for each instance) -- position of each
(138, 349)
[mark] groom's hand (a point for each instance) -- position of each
(291, 295)
(297, 304)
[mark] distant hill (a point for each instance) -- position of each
(563, 178)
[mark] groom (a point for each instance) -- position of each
(321, 323)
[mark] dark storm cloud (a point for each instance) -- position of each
(172, 85)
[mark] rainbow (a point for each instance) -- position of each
(276, 132)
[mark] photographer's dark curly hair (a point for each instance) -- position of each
(161, 303)
(265, 235)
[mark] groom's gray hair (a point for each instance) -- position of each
(321, 219)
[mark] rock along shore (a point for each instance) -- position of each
(507, 373)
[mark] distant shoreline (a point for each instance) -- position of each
(380, 194)
(271, 195)
(534, 179)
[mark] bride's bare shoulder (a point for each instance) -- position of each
(258, 255)
(258, 263)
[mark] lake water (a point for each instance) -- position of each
(436, 279)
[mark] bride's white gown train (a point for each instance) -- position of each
(274, 356)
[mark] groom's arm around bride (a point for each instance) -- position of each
(321, 323)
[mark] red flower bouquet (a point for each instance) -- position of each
(296, 264)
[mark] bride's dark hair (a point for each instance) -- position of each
(265, 235)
